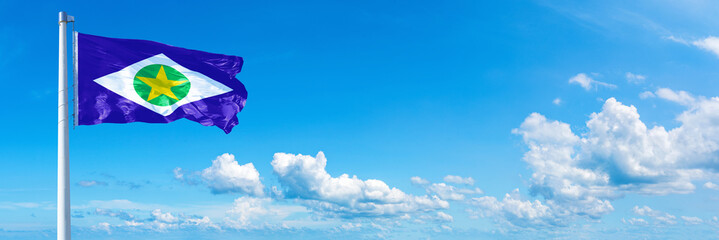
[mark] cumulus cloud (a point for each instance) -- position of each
(350, 226)
(579, 175)
(711, 185)
(458, 180)
(418, 180)
(635, 78)
(259, 212)
(166, 217)
(448, 192)
(245, 209)
(588, 83)
(557, 101)
(619, 152)
(305, 178)
(444, 217)
(438, 217)
(710, 44)
(515, 211)
(227, 176)
(660, 216)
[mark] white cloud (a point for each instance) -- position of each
(680, 97)
(167, 217)
(660, 216)
(617, 155)
(677, 40)
(445, 192)
(646, 94)
(190, 178)
(18, 205)
(418, 180)
(459, 180)
(643, 211)
(306, 179)
(179, 174)
(439, 216)
(103, 226)
(245, 209)
(448, 192)
(635, 221)
(350, 226)
(588, 83)
(158, 220)
(133, 223)
(669, 219)
(260, 212)
(711, 185)
(692, 220)
(444, 217)
(557, 101)
(710, 44)
(114, 213)
(446, 228)
(714, 221)
(632, 156)
(203, 223)
(635, 78)
(91, 183)
(227, 176)
(515, 211)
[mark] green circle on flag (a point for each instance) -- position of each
(161, 85)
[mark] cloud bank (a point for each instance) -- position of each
(305, 178)
(580, 174)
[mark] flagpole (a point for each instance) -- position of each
(63, 165)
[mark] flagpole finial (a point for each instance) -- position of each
(63, 17)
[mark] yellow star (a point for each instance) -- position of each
(161, 85)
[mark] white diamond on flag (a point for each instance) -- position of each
(122, 83)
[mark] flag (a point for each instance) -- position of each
(124, 80)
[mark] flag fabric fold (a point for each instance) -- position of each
(124, 80)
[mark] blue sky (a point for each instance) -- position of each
(451, 119)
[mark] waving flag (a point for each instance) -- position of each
(123, 81)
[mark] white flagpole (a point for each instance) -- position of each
(63, 165)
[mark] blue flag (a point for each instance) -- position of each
(123, 81)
